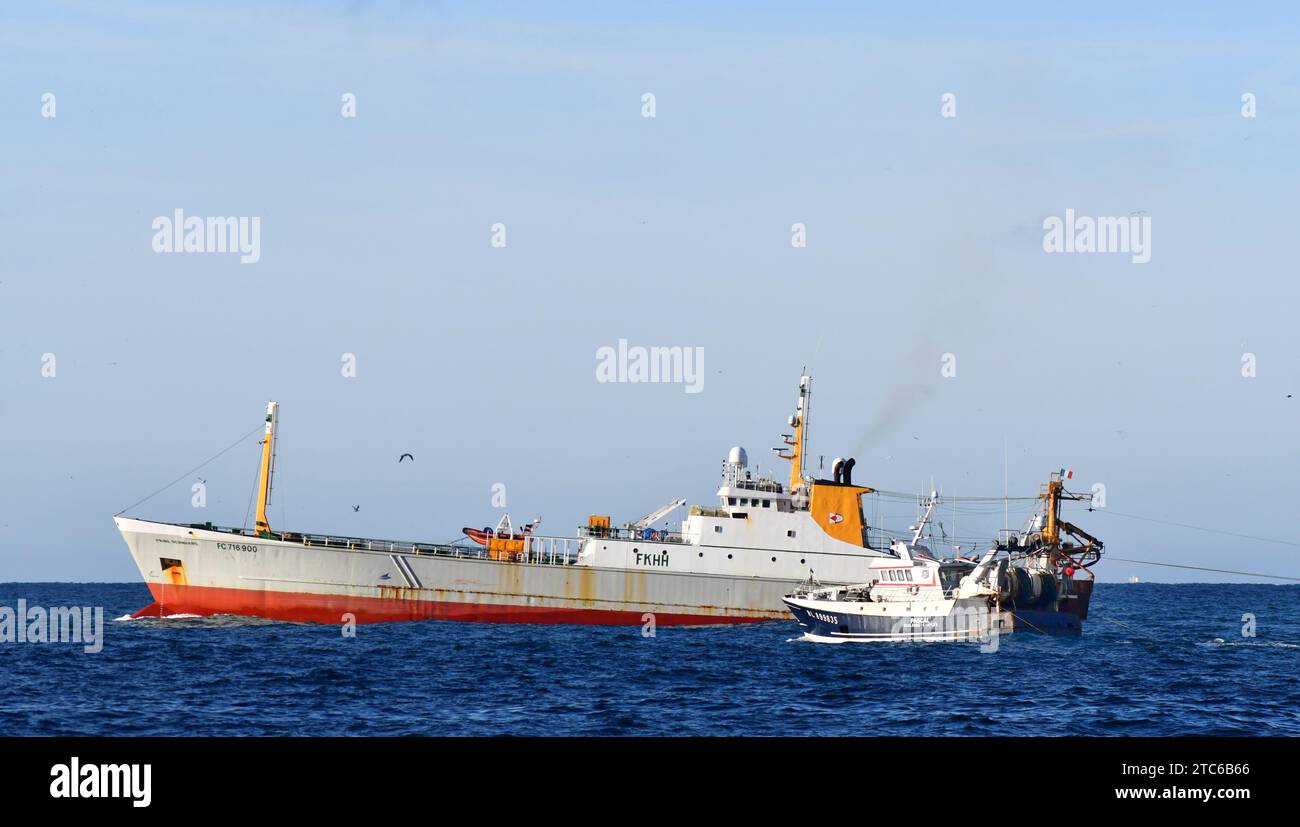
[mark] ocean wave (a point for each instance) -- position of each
(1267, 644)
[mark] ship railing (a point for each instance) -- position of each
(634, 534)
(555, 551)
(762, 486)
(394, 546)
(708, 511)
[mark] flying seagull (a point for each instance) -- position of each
(356, 508)
(404, 456)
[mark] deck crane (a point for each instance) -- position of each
(653, 517)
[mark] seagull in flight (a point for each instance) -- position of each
(404, 456)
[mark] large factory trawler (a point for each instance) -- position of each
(732, 563)
(1038, 579)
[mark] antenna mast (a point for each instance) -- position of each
(261, 525)
(798, 441)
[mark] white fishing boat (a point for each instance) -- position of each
(1035, 580)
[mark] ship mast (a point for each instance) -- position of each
(798, 441)
(930, 503)
(1052, 531)
(261, 525)
(1054, 493)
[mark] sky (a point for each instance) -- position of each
(924, 250)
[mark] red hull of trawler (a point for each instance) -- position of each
(305, 607)
(1079, 606)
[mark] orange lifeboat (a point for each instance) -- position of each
(502, 543)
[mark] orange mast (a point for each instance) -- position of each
(261, 525)
(798, 441)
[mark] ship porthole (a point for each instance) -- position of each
(773, 559)
(701, 554)
(801, 562)
(728, 556)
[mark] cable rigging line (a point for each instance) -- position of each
(1203, 568)
(252, 494)
(1197, 527)
(913, 496)
(191, 471)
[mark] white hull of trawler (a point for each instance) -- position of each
(728, 564)
(198, 570)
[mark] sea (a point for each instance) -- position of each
(1154, 659)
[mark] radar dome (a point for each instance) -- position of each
(738, 457)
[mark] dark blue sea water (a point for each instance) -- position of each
(1154, 660)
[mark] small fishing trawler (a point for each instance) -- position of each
(1034, 580)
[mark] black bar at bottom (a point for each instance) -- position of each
(197, 776)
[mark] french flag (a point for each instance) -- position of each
(1067, 474)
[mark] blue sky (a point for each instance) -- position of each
(924, 238)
